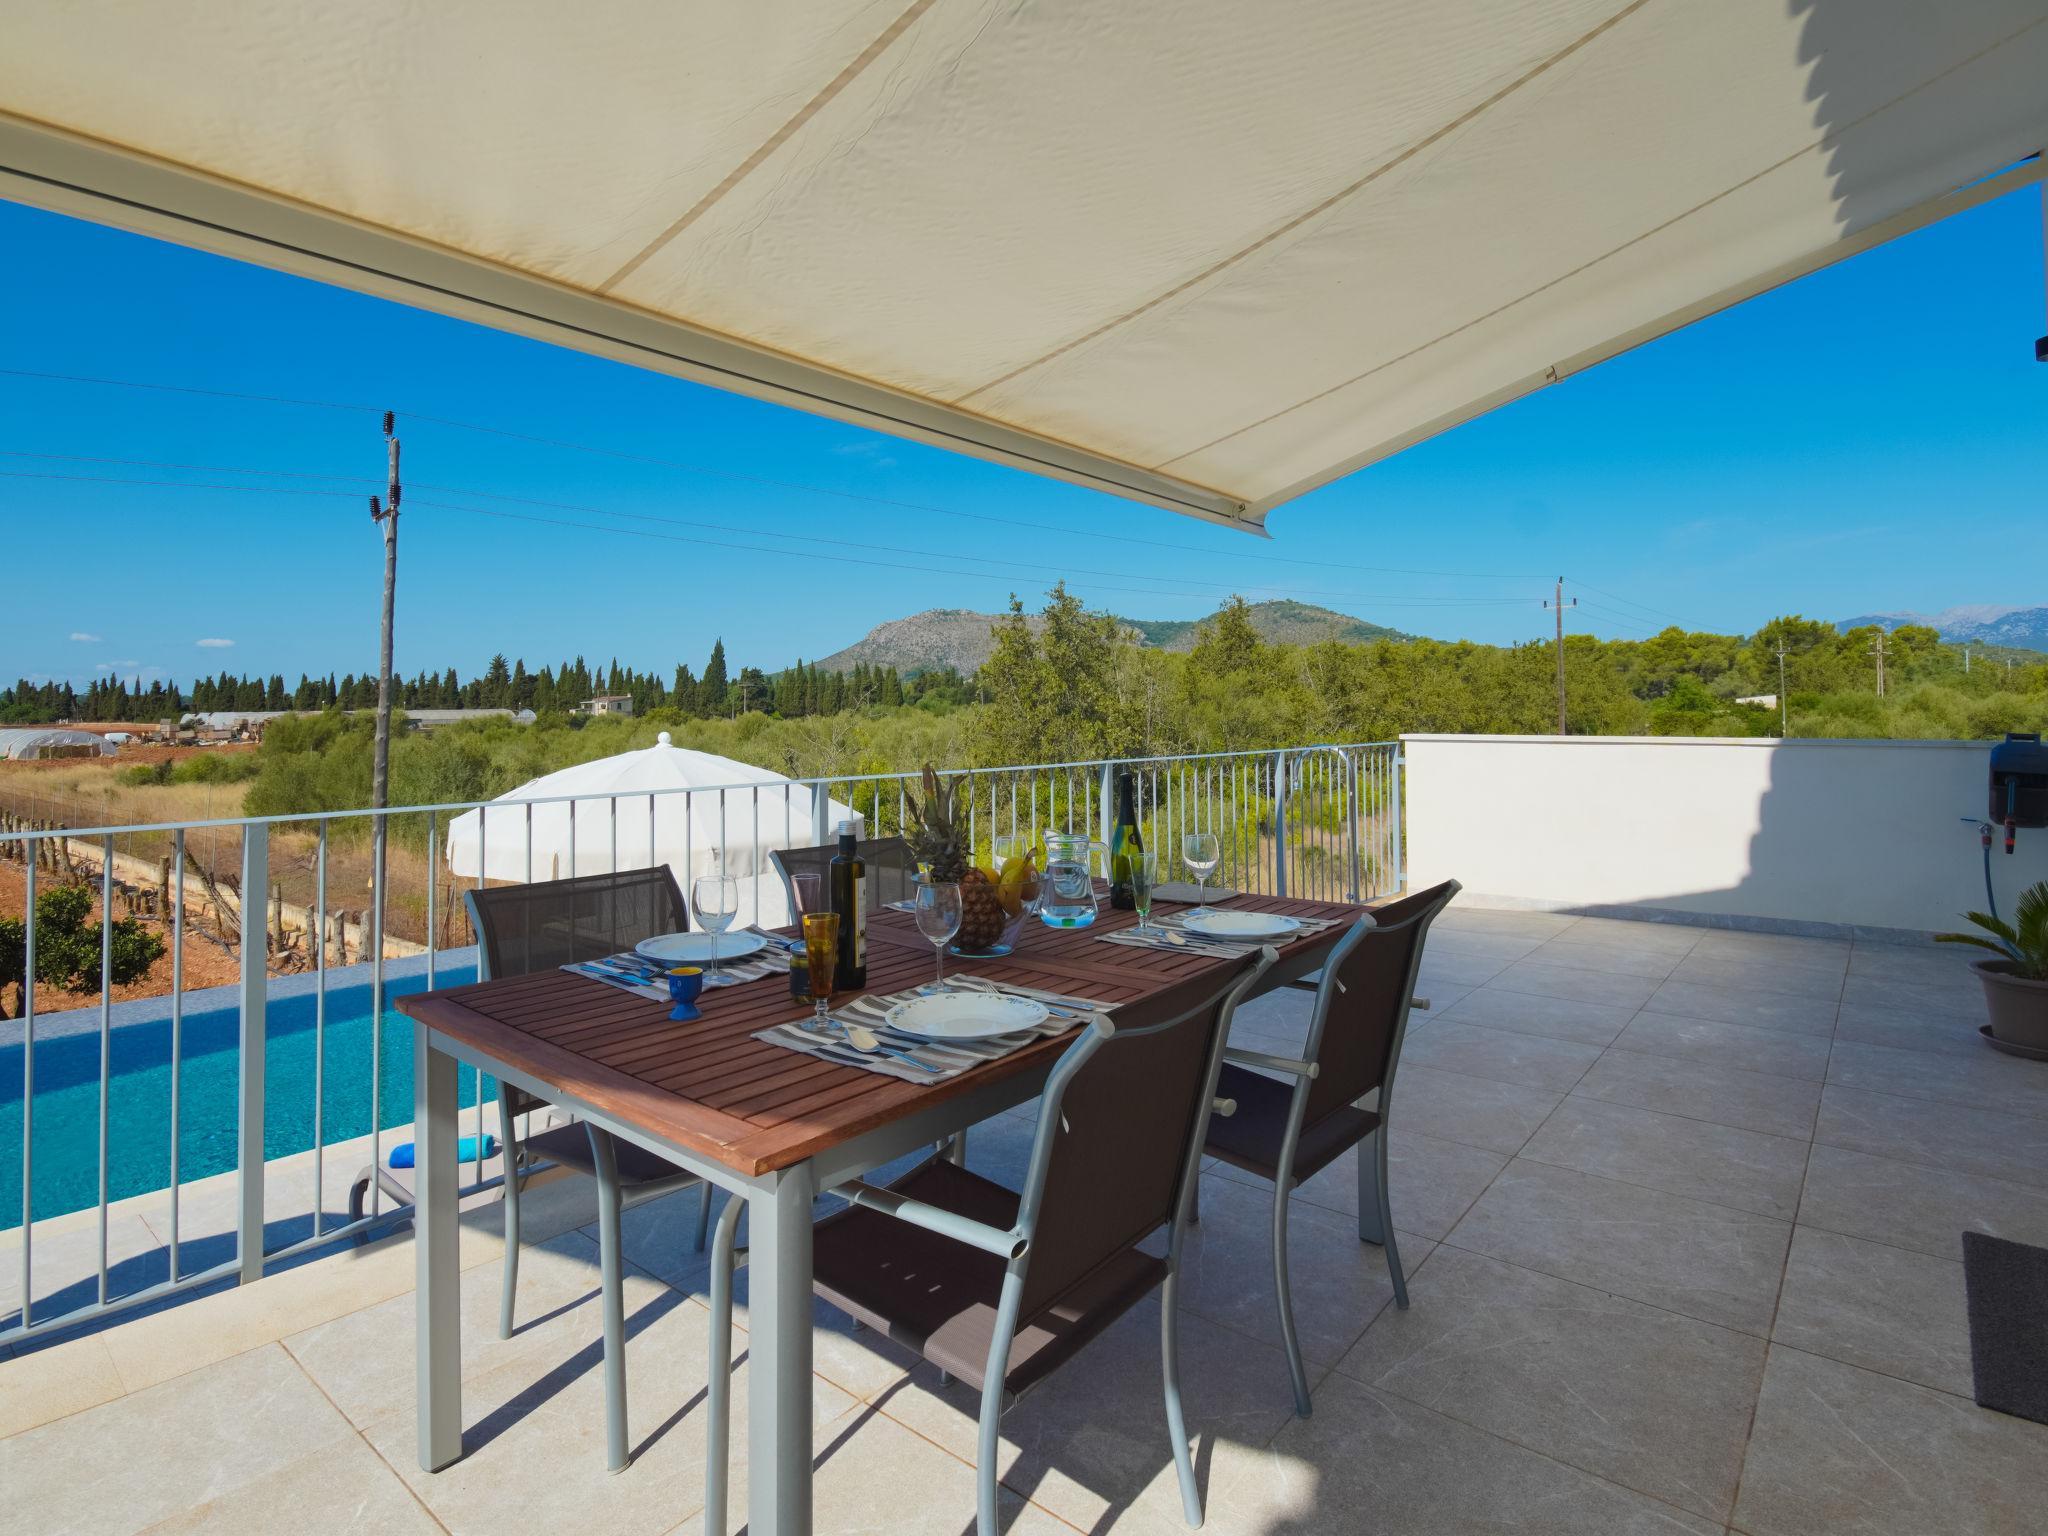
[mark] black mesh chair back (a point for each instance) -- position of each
(891, 870)
(1369, 982)
(523, 928)
(1126, 1123)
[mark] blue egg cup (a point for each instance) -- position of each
(685, 982)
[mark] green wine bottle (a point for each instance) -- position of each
(1124, 843)
(846, 876)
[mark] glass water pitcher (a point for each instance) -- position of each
(1069, 883)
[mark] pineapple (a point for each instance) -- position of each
(940, 843)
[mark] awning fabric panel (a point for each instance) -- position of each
(1205, 253)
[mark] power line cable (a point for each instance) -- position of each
(1036, 571)
(744, 478)
(1627, 602)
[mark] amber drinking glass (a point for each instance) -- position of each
(821, 955)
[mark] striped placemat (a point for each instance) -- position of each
(913, 1060)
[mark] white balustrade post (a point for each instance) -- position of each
(1279, 823)
(249, 1123)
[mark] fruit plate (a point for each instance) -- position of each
(695, 948)
(965, 1015)
(1239, 925)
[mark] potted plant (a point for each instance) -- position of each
(2016, 983)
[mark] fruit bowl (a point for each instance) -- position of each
(1009, 897)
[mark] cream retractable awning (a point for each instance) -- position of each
(1206, 253)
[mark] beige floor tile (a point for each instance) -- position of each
(1641, 1396)
(66, 1258)
(160, 1452)
(1621, 959)
(1791, 949)
(1497, 1006)
(1718, 1044)
(1542, 977)
(1910, 1029)
(871, 1463)
(1913, 1206)
(1839, 1451)
(534, 1455)
(1961, 999)
(1985, 1080)
(1371, 1461)
(1478, 1111)
(1338, 1283)
(344, 1489)
(1954, 1136)
(58, 1380)
(1506, 1057)
(1746, 1169)
(1433, 1182)
(1745, 1005)
(1091, 1442)
(1707, 1261)
(1927, 963)
(1762, 973)
(1674, 939)
(1498, 922)
(1749, 1101)
(1887, 1309)
(364, 1361)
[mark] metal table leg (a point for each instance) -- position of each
(779, 1350)
(434, 1242)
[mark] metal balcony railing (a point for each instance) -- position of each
(210, 1109)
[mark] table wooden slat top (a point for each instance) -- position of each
(711, 1088)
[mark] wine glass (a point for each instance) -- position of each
(716, 899)
(1202, 853)
(938, 918)
(1144, 875)
(821, 958)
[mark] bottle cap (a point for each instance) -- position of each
(846, 829)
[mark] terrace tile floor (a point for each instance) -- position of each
(1680, 1207)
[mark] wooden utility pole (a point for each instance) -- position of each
(1559, 606)
(1877, 650)
(1784, 714)
(380, 770)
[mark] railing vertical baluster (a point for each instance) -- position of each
(28, 1078)
(756, 861)
(572, 841)
(177, 1030)
(255, 997)
(480, 848)
(613, 802)
(654, 843)
(107, 1032)
(320, 1026)
(1279, 823)
(433, 819)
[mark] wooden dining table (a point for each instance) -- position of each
(771, 1125)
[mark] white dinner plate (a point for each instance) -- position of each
(695, 948)
(1240, 925)
(965, 1015)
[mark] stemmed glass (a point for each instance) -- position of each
(716, 899)
(1144, 875)
(1202, 853)
(938, 918)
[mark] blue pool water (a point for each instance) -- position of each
(67, 1075)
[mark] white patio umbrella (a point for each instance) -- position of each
(663, 804)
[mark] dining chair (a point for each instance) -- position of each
(891, 869)
(1290, 1127)
(526, 928)
(999, 1287)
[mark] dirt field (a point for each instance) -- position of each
(207, 962)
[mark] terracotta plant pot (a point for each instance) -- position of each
(2019, 1008)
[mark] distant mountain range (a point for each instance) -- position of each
(960, 638)
(1979, 624)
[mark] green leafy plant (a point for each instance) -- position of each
(68, 948)
(2023, 941)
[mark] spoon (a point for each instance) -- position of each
(864, 1040)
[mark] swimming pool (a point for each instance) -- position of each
(67, 1074)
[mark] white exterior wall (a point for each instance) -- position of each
(1763, 833)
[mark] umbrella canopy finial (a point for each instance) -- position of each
(662, 740)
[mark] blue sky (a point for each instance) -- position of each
(1868, 439)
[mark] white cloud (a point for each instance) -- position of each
(83, 638)
(215, 644)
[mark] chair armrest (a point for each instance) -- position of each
(1419, 1002)
(976, 1234)
(1287, 1064)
